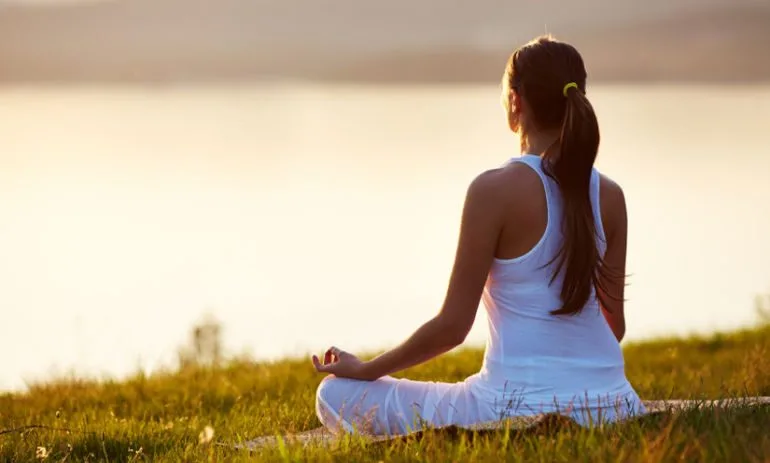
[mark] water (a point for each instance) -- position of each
(308, 215)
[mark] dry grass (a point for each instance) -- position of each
(163, 417)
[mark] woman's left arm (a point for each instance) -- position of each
(479, 230)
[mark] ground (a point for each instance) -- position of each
(170, 416)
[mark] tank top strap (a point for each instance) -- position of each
(552, 195)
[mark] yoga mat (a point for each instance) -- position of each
(321, 436)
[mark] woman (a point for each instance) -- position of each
(543, 243)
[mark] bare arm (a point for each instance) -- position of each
(615, 220)
(479, 230)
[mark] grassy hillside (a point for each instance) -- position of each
(160, 418)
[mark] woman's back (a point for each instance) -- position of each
(532, 353)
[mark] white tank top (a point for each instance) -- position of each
(541, 356)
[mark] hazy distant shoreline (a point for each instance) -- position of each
(140, 41)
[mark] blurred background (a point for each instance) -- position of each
(296, 168)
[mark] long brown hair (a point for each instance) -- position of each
(540, 72)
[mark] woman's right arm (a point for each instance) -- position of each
(615, 223)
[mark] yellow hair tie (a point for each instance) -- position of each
(569, 86)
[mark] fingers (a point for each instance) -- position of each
(321, 368)
(332, 355)
(330, 359)
(338, 353)
(317, 364)
(327, 357)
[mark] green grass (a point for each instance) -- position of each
(163, 414)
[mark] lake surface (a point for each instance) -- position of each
(306, 215)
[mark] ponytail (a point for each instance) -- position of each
(571, 168)
(537, 71)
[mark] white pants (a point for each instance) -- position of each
(390, 406)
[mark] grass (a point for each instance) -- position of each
(160, 418)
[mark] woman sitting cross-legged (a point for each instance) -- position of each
(543, 244)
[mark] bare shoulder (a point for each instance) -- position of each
(506, 183)
(613, 204)
(611, 192)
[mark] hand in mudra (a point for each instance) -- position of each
(341, 364)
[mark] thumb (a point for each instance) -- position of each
(320, 367)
